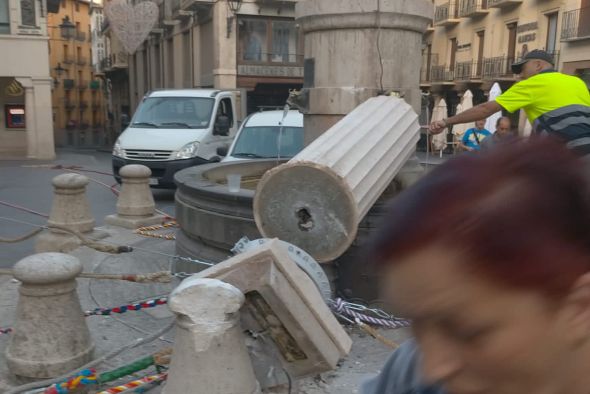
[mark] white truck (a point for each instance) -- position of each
(176, 129)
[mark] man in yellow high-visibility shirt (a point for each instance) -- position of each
(555, 103)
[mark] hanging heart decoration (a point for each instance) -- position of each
(132, 23)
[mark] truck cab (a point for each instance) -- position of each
(175, 129)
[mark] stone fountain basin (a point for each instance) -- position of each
(212, 220)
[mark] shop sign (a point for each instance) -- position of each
(271, 71)
(14, 89)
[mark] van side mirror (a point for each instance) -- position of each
(222, 151)
(222, 126)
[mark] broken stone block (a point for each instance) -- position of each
(284, 305)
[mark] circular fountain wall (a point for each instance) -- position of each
(212, 220)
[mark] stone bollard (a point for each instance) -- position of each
(50, 333)
(135, 207)
(70, 209)
(210, 354)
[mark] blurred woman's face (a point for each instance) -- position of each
(477, 337)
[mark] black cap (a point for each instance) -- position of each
(536, 54)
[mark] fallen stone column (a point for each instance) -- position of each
(318, 198)
(70, 209)
(135, 206)
(210, 355)
(50, 335)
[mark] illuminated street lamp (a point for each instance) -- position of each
(68, 29)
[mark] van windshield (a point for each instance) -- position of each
(263, 142)
(174, 113)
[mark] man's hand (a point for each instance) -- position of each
(437, 127)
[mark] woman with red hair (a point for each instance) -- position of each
(489, 256)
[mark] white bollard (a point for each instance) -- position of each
(210, 355)
(135, 206)
(50, 335)
(70, 209)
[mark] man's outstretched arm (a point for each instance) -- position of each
(478, 112)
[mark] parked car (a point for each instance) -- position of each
(176, 129)
(267, 134)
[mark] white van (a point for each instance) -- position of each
(176, 129)
(267, 134)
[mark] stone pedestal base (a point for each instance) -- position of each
(64, 243)
(134, 222)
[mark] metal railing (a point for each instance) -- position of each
(81, 61)
(271, 59)
(427, 63)
(69, 104)
(491, 68)
(442, 74)
(80, 36)
(67, 59)
(106, 64)
(576, 24)
(445, 12)
(466, 71)
(470, 7)
(494, 3)
(69, 84)
(83, 105)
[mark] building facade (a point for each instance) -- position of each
(78, 99)
(472, 43)
(254, 47)
(575, 39)
(25, 84)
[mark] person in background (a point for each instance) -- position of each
(473, 137)
(555, 103)
(489, 257)
(503, 134)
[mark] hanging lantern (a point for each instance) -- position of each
(234, 5)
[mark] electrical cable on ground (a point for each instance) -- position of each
(135, 248)
(131, 326)
(21, 238)
(89, 377)
(114, 353)
(125, 308)
(11, 205)
(136, 384)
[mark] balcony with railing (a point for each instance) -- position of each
(428, 61)
(503, 3)
(81, 61)
(468, 71)
(473, 8)
(69, 104)
(67, 59)
(69, 84)
(446, 14)
(83, 105)
(575, 25)
(196, 5)
(80, 36)
(442, 74)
